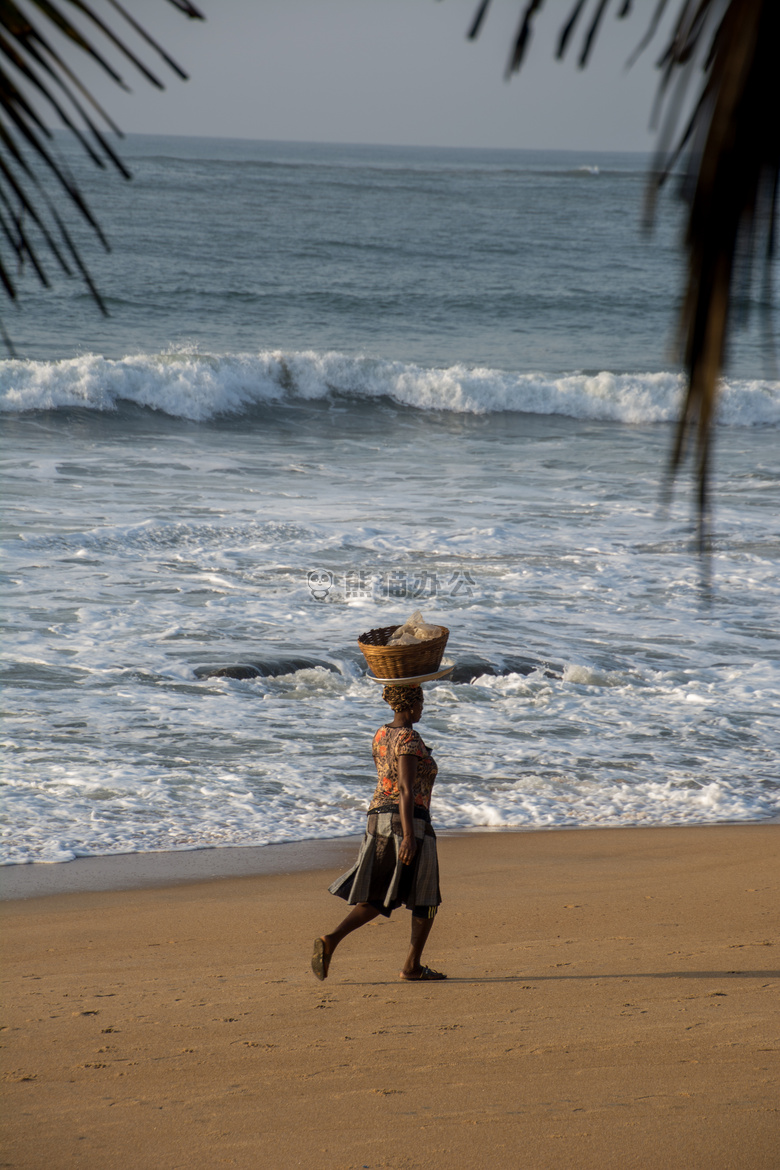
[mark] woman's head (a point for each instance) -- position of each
(404, 700)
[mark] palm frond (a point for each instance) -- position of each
(731, 144)
(36, 84)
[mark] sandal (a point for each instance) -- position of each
(320, 959)
(425, 975)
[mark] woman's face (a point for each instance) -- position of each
(417, 711)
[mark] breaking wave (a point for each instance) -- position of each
(199, 387)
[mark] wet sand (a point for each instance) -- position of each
(612, 1002)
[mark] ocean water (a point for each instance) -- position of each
(434, 379)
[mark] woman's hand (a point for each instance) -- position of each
(407, 850)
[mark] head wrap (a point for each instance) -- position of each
(402, 698)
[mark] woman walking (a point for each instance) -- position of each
(397, 863)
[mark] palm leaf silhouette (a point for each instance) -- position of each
(731, 148)
(36, 83)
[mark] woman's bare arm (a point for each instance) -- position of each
(407, 773)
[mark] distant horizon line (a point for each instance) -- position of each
(371, 145)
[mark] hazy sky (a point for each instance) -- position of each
(388, 71)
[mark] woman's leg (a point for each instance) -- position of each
(358, 916)
(325, 945)
(421, 928)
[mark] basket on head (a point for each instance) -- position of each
(401, 661)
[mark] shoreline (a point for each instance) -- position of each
(158, 869)
(115, 872)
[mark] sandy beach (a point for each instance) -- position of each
(612, 1001)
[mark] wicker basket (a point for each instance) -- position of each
(401, 661)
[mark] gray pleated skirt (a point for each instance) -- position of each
(380, 877)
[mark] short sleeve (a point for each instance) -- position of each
(409, 743)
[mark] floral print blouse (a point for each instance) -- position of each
(390, 743)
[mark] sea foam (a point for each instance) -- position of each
(199, 387)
